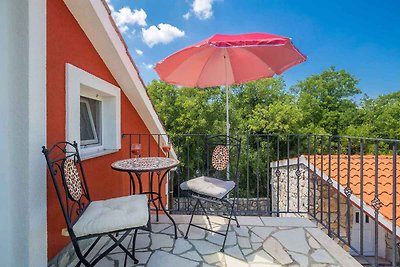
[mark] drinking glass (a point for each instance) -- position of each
(135, 149)
(166, 147)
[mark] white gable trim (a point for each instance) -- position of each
(94, 19)
(354, 199)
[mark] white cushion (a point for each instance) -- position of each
(112, 215)
(208, 186)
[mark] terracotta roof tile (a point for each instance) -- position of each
(384, 177)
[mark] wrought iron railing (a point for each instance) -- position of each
(348, 185)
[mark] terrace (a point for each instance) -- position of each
(304, 200)
(260, 241)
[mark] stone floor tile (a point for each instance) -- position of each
(142, 241)
(192, 255)
(321, 256)
(161, 258)
(215, 220)
(242, 231)
(219, 239)
(284, 222)
(259, 257)
(343, 258)
(234, 262)
(214, 258)
(293, 240)
(313, 243)
(301, 259)
(115, 259)
(247, 251)
(234, 252)
(255, 238)
(244, 242)
(170, 231)
(205, 247)
(265, 265)
(256, 245)
(287, 243)
(181, 245)
(249, 220)
(262, 231)
(143, 257)
(275, 249)
(161, 241)
(194, 232)
(158, 227)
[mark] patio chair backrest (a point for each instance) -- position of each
(66, 171)
(222, 154)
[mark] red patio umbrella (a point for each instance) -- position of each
(224, 60)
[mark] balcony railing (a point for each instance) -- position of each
(348, 185)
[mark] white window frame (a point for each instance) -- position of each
(81, 83)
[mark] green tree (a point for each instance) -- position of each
(381, 116)
(188, 110)
(327, 101)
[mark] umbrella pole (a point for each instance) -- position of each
(228, 126)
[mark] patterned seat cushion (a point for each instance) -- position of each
(113, 214)
(208, 186)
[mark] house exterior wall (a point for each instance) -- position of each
(22, 132)
(67, 43)
(317, 199)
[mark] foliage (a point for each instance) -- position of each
(325, 103)
(328, 103)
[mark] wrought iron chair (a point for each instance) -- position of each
(224, 154)
(114, 218)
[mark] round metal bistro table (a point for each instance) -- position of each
(151, 165)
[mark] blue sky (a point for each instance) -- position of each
(360, 36)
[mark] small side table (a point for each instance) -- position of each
(150, 165)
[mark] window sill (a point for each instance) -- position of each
(94, 154)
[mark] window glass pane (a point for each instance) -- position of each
(95, 108)
(90, 121)
(86, 128)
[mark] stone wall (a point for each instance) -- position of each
(292, 182)
(320, 202)
(252, 206)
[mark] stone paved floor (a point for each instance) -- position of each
(260, 241)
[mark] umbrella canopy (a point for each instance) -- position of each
(229, 59)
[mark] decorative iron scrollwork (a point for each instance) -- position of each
(376, 203)
(348, 191)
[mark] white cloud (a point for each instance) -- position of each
(139, 52)
(148, 66)
(202, 8)
(126, 17)
(186, 16)
(161, 34)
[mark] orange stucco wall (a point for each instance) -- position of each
(67, 43)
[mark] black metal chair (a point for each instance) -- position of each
(114, 218)
(223, 153)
